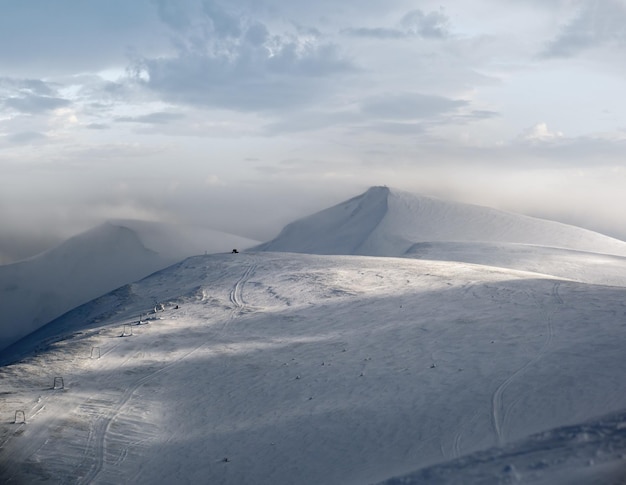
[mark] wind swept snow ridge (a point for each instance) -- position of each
(587, 453)
(342, 229)
(389, 222)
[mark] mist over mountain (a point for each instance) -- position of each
(39, 289)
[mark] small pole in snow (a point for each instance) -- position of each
(58, 383)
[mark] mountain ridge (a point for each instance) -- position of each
(398, 220)
(37, 290)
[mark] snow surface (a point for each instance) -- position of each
(35, 291)
(491, 352)
(386, 222)
(602, 269)
(290, 368)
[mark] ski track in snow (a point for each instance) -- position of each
(458, 437)
(96, 442)
(236, 295)
(499, 411)
(34, 444)
(105, 407)
(108, 435)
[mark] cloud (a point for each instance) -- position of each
(409, 106)
(26, 137)
(415, 23)
(540, 133)
(583, 152)
(597, 23)
(244, 68)
(174, 14)
(224, 23)
(428, 25)
(97, 126)
(30, 96)
(377, 32)
(213, 181)
(159, 118)
(27, 86)
(476, 115)
(311, 120)
(394, 114)
(397, 128)
(33, 104)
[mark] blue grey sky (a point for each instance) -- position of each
(245, 114)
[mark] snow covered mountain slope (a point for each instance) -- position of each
(37, 290)
(386, 222)
(595, 268)
(292, 368)
(588, 453)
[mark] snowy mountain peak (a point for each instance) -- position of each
(341, 229)
(389, 222)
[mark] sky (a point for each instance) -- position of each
(243, 115)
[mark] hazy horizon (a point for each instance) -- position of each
(242, 116)
(260, 229)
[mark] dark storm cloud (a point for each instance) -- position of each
(597, 23)
(33, 104)
(416, 23)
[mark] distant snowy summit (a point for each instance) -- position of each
(39, 289)
(389, 222)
